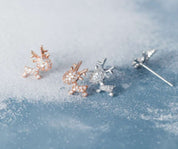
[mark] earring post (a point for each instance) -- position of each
(170, 84)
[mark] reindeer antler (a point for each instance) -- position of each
(110, 70)
(43, 55)
(83, 72)
(34, 55)
(101, 63)
(77, 66)
(43, 51)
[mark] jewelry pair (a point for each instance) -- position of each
(98, 76)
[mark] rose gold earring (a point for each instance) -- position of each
(72, 76)
(43, 63)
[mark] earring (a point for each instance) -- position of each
(72, 76)
(99, 75)
(139, 62)
(43, 63)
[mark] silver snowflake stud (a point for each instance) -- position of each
(139, 62)
(99, 75)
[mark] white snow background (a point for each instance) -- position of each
(72, 30)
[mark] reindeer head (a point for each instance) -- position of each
(73, 75)
(100, 73)
(43, 63)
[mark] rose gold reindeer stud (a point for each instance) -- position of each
(43, 63)
(72, 76)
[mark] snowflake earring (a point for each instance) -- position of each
(72, 76)
(99, 75)
(139, 62)
(43, 63)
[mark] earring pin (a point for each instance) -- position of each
(139, 62)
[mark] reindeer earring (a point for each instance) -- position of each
(139, 62)
(99, 75)
(43, 63)
(72, 76)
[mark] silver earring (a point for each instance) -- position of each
(139, 62)
(99, 75)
